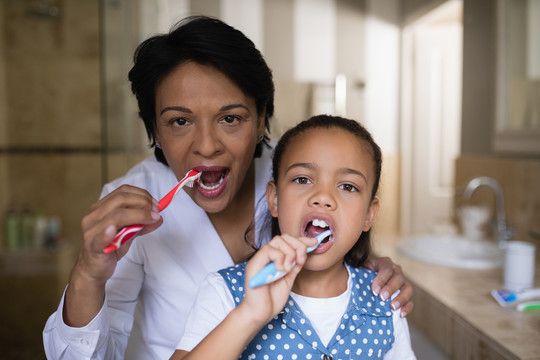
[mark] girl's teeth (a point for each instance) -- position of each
(319, 223)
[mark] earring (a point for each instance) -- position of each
(261, 137)
(158, 145)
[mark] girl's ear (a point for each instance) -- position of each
(271, 198)
(371, 214)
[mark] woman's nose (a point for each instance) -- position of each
(206, 141)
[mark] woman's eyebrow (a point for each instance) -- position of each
(233, 106)
(175, 108)
(186, 110)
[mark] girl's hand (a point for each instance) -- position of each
(389, 279)
(264, 302)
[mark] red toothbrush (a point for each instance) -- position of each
(128, 232)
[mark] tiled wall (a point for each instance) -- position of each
(3, 116)
(52, 75)
(520, 180)
(50, 117)
(51, 121)
(51, 151)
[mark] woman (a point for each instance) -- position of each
(206, 96)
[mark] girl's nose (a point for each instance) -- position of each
(323, 198)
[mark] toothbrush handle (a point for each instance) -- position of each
(130, 231)
(122, 236)
(267, 275)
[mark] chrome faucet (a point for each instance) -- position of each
(504, 233)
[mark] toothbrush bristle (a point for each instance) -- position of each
(193, 180)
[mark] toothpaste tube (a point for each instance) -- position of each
(509, 297)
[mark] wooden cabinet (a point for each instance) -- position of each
(452, 334)
(31, 285)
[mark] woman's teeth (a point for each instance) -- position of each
(213, 185)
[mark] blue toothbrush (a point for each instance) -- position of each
(269, 273)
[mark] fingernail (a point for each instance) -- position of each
(288, 267)
(395, 305)
(155, 215)
(110, 230)
(402, 314)
(384, 296)
(155, 202)
(376, 290)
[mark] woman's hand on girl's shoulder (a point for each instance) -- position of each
(389, 280)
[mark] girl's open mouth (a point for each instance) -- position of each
(314, 228)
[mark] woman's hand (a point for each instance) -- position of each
(86, 290)
(389, 279)
(264, 302)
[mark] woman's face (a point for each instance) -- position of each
(325, 180)
(205, 122)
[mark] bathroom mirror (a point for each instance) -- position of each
(517, 128)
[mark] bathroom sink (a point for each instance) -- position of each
(452, 250)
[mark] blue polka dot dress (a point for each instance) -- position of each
(364, 332)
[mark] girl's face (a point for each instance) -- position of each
(325, 180)
(204, 121)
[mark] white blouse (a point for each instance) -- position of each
(154, 286)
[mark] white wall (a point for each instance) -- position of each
(246, 16)
(314, 40)
(382, 73)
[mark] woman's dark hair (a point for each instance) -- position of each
(206, 41)
(362, 248)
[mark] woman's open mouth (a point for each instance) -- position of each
(212, 182)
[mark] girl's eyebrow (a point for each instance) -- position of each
(300, 165)
(313, 166)
(355, 172)
(186, 110)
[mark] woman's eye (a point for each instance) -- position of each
(302, 180)
(348, 187)
(229, 119)
(179, 122)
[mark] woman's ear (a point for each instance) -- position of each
(271, 198)
(371, 214)
(261, 129)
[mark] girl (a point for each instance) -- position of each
(326, 174)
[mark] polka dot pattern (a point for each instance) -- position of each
(366, 328)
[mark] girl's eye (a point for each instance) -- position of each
(302, 180)
(230, 119)
(348, 187)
